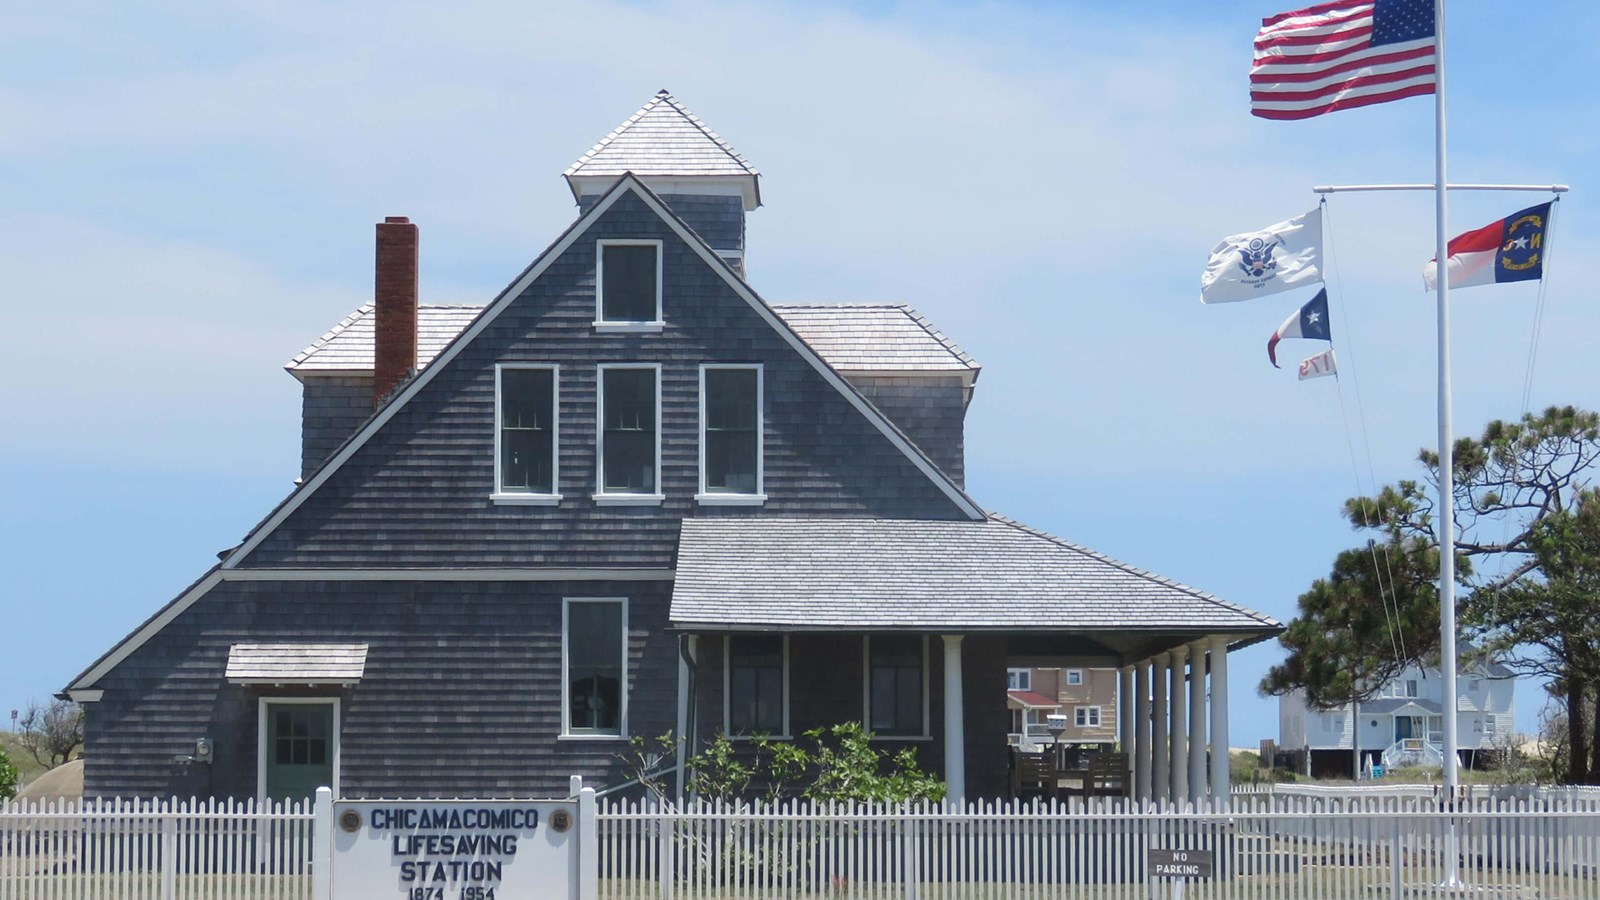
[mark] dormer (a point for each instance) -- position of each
(692, 169)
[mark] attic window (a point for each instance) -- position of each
(628, 285)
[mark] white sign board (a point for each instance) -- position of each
(454, 849)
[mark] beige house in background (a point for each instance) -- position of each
(1087, 697)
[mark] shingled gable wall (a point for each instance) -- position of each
(417, 493)
(461, 696)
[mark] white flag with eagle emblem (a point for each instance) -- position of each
(1277, 258)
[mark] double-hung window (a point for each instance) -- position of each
(627, 285)
(594, 667)
(730, 434)
(897, 685)
(1086, 716)
(756, 685)
(629, 439)
(527, 402)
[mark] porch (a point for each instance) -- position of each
(909, 626)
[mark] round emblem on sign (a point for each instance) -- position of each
(560, 821)
(350, 821)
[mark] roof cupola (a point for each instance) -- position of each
(688, 165)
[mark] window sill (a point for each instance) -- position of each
(731, 499)
(514, 499)
(628, 499)
(629, 327)
(747, 738)
(592, 737)
(902, 737)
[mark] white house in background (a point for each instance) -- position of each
(1404, 723)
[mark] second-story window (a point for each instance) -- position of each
(526, 440)
(1019, 679)
(630, 434)
(730, 433)
(1074, 677)
(628, 284)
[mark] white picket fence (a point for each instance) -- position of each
(1327, 844)
(1264, 847)
(155, 850)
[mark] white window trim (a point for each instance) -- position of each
(1086, 713)
(705, 497)
(866, 695)
(529, 498)
(261, 738)
(1026, 676)
(601, 323)
(727, 691)
(567, 734)
(603, 497)
(1069, 676)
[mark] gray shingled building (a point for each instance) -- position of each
(629, 495)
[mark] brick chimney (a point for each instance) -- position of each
(395, 299)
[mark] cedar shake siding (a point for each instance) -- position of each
(930, 409)
(719, 221)
(461, 695)
(418, 492)
(332, 408)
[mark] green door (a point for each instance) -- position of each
(299, 749)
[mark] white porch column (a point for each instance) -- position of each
(1180, 727)
(1219, 721)
(1141, 734)
(1197, 721)
(1160, 735)
(955, 732)
(1125, 712)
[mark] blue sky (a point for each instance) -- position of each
(190, 192)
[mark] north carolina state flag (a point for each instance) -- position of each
(1511, 249)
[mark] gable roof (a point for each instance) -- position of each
(883, 337)
(626, 184)
(992, 575)
(664, 139)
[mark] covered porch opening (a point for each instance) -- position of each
(947, 697)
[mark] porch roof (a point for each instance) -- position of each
(1388, 705)
(812, 574)
(1031, 700)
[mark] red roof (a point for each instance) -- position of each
(1033, 700)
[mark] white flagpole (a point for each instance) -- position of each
(1447, 518)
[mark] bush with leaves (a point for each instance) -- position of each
(830, 765)
(8, 777)
(837, 764)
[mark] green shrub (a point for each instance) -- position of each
(836, 764)
(8, 777)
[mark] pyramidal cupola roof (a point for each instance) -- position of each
(668, 148)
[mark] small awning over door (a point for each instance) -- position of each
(296, 663)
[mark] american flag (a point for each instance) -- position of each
(1342, 54)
